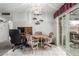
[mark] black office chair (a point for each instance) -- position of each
(16, 39)
(22, 31)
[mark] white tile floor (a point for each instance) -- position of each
(54, 51)
(4, 47)
(74, 51)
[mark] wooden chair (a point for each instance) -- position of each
(32, 42)
(38, 33)
(49, 40)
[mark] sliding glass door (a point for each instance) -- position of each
(74, 32)
(64, 32)
(69, 32)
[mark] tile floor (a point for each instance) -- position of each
(74, 51)
(54, 51)
(4, 47)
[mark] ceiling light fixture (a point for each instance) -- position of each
(36, 8)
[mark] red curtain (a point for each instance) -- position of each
(63, 8)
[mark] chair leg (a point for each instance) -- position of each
(14, 49)
(37, 46)
(12, 45)
(32, 49)
(49, 45)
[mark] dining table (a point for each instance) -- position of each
(40, 38)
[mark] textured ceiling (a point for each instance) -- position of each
(20, 7)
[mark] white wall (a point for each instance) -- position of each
(4, 28)
(20, 19)
(25, 19)
(4, 35)
(47, 26)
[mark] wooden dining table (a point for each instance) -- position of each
(40, 38)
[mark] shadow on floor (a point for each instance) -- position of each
(4, 47)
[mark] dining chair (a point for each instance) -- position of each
(51, 35)
(38, 33)
(49, 40)
(47, 43)
(32, 42)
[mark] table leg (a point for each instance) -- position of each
(41, 41)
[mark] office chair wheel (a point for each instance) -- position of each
(13, 50)
(21, 47)
(12, 47)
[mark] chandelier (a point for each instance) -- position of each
(36, 10)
